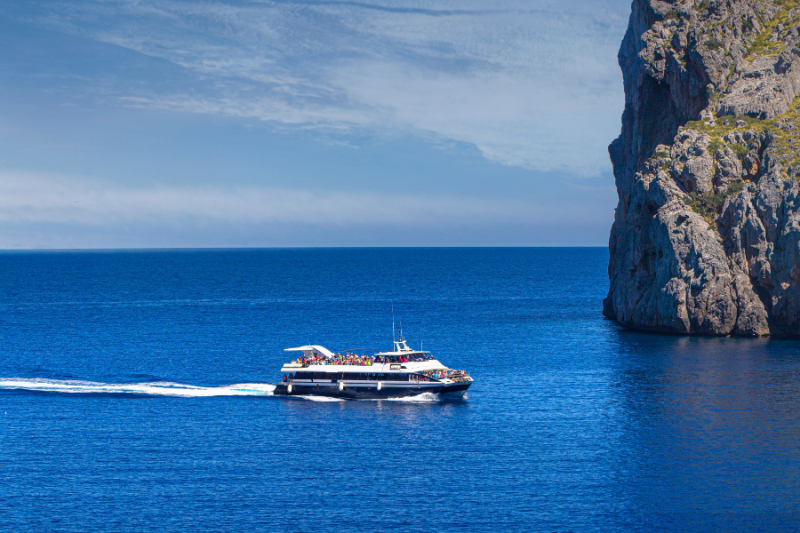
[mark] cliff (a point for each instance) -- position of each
(706, 236)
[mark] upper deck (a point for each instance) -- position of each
(403, 360)
(320, 366)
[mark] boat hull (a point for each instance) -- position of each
(369, 391)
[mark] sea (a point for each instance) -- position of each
(136, 395)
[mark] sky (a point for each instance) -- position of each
(258, 123)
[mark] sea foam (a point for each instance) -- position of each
(149, 389)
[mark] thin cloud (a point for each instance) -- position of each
(533, 88)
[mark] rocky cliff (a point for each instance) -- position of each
(706, 236)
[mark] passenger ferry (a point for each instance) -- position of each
(397, 374)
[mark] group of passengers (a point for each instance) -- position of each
(444, 374)
(360, 360)
(340, 359)
(357, 360)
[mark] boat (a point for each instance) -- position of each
(352, 375)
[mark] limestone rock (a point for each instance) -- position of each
(765, 87)
(728, 164)
(695, 162)
(706, 235)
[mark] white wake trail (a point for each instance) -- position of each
(316, 398)
(425, 397)
(165, 388)
(150, 389)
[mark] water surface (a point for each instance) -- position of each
(135, 396)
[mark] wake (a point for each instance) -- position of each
(425, 397)
(165, 388)
(146, 389)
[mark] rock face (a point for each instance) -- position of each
(706, 236)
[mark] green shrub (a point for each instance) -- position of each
(708, 204)
(714, 145)
(747, 24)
(740, 150)
(735, 187)
(662, 155)
(713, 44)
(672, 14)
(714, 201)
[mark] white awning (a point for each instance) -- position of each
(312, 349)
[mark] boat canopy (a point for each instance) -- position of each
(401, 348)
(312, 350)
(404, 352)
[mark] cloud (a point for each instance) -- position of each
(67, 199)
(532, 87)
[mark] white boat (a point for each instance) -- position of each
(352, 375)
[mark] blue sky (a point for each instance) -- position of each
(169, 123)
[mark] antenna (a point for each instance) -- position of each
(393, 333)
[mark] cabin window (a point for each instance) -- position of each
(304, 375)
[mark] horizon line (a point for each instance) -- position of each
(255, 248)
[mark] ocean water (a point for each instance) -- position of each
(135, 395)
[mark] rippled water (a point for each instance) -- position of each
(135, 395)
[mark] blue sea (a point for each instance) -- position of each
(135, 395)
